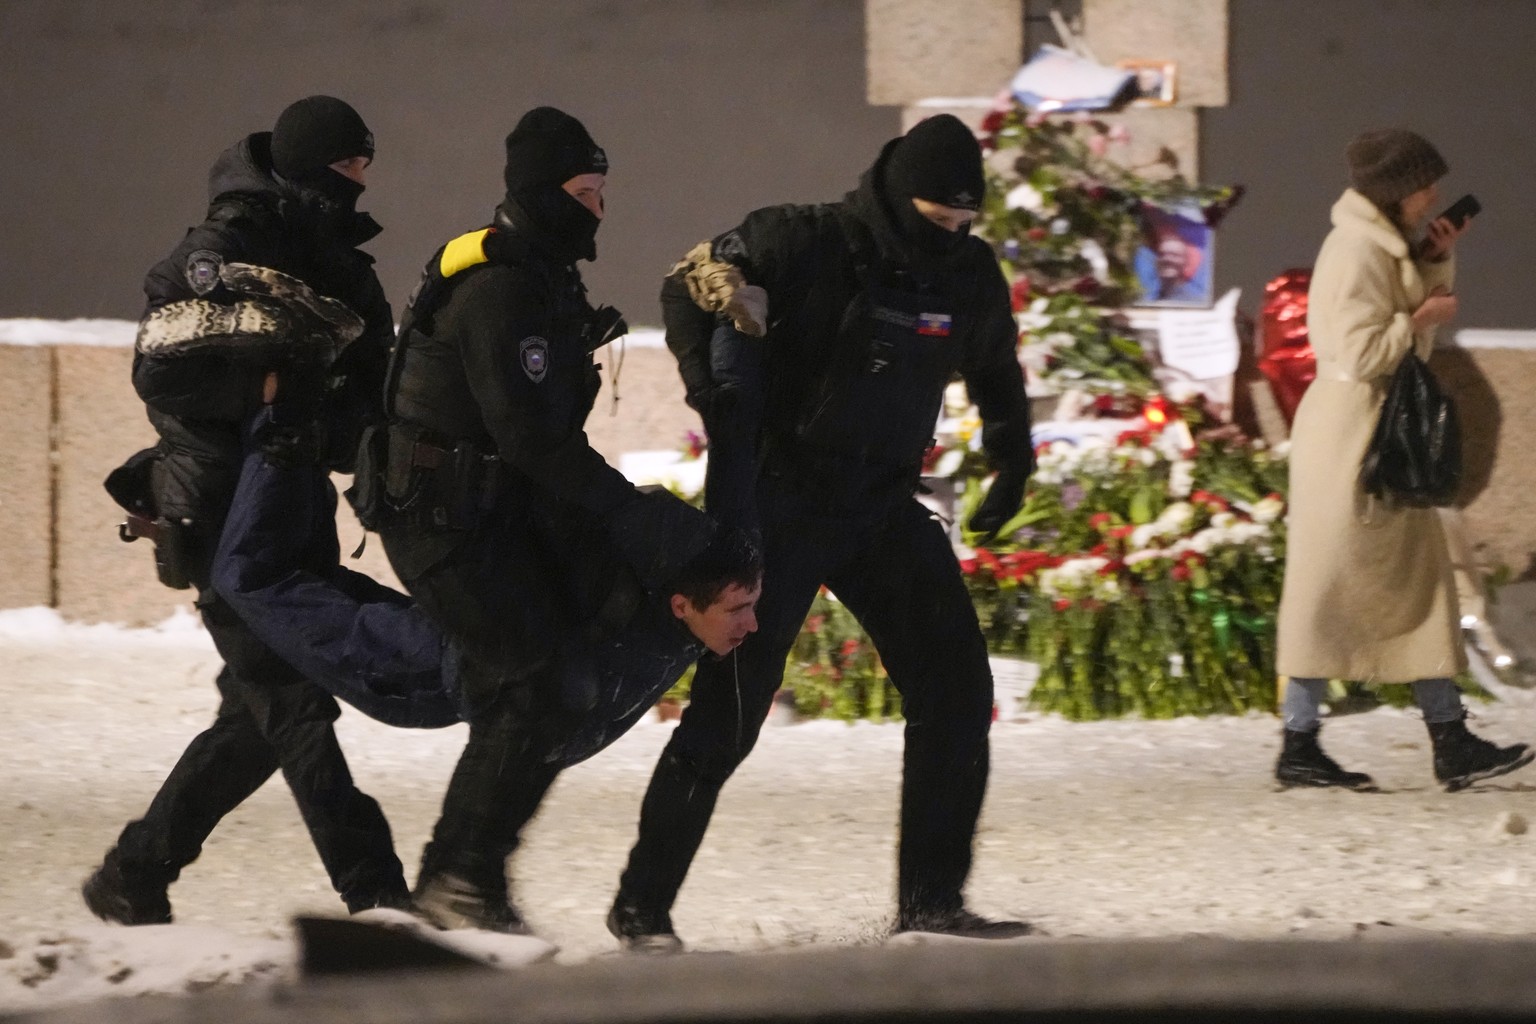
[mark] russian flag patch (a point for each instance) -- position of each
(934, 325)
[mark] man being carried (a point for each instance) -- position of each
(374, 648)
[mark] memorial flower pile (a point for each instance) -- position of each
(1064, 215)
(1142, 575)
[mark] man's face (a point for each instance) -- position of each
(726, 622)
(587, 189)
(1171, 256)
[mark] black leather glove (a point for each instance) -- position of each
(657, 534)
(1000, 505)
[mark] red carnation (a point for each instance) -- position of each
(1087, 287)
(1019, 294)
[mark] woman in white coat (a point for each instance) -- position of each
(1369, 593)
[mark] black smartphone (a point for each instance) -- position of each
(1458, 212)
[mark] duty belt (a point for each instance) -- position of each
(462, 485)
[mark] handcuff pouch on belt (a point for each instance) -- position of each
(443, 486)
(131, 486)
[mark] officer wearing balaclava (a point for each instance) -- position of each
(519, 541)
(267, 297)
(816, 343)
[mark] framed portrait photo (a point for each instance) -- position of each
(1156, 81)
(1173, 263)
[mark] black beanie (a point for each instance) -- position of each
(550, 147)
(1389, 165)
(938, 160)
(314, 133)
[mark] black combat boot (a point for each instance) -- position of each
(1462, 758)
(452, 901)
(641, 931)
(673, 816)
(1303, 763)
(393, 896)
(961, 924)
(120, 897)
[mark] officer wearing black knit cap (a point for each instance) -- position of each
(315, 132)
(232, 320)
(321, 147)
(516, 537)
(816, 343)
(939, 163)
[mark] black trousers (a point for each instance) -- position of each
(898, 575)
(270, 718)
(539, 693)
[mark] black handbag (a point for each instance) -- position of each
(1414, 458)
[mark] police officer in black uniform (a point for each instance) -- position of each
(817, 435)
(502, 520)
(270, 285)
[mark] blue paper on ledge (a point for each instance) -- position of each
(1056, 79)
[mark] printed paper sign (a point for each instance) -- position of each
(1200, 342)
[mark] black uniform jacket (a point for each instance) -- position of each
(864, 334)
(496, 353)
(199, 395)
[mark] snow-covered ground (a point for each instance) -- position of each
(1115, 829)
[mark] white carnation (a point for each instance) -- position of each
(1025, 197)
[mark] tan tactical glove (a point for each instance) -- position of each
(718, 287)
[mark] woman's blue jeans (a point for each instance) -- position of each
(1437, 698)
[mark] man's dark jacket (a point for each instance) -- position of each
(199, 394)
(496, 355)
(864, 333)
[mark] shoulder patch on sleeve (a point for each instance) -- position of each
(533, 354)
(202, 271)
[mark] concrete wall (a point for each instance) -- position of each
(100, 423)
(59, 545)
(1492, 387)
(1279, 89)
(707, 107)
(114, 112)
(1306, 76)
(26, 489)
(913, 48)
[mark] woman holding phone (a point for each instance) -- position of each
(1369, 593)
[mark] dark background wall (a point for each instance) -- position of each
(112, 113)
(1308, 75)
